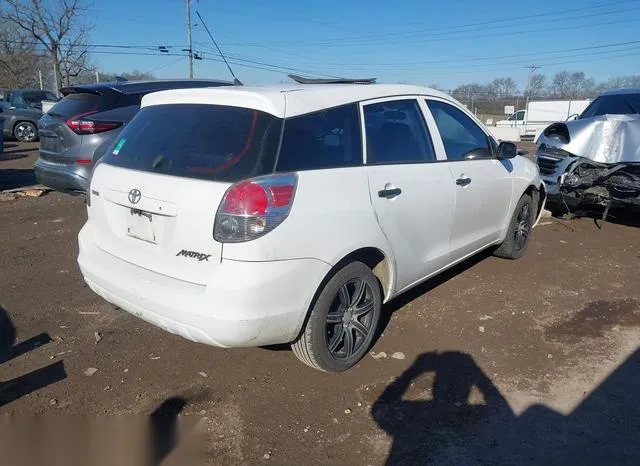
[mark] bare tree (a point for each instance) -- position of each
(57, 25)
(19, 60)
(536, 85)
(134, 75)
(503, 87)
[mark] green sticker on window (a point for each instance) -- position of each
(116, 150)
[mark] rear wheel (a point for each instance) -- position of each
(519, 230)
(25, 131)
(343, 321)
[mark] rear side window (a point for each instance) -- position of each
(326, 139)
(208, 142)
(78, 104)
(397, 133)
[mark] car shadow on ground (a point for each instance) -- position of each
(414, 293)
(11, 390)
(445, 410)
(13, 178)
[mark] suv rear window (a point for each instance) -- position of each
(209, 142)
(78, 104)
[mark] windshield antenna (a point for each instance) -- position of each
(236, 81)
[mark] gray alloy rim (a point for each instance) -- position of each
(523, 226)
(350, 319)
(25, 132)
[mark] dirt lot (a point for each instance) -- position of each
(498, 362)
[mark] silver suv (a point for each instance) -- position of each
(75, 132)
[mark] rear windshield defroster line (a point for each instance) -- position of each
(208, 142)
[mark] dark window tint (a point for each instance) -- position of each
(35, 97)
(462, 137)
(78, 104)
(619, 104)
(396, 133)
(209, 142)
(326, 139)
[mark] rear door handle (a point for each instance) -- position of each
(389, 193)
(463, 180)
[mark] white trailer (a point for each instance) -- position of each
(540, 114)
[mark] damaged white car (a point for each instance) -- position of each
(593, 163)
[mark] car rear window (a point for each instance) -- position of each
(209, 142)
(36, 97)
(78, 104)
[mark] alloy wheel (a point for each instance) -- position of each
(350, 319)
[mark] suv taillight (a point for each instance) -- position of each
(80, 125)
(254, 207)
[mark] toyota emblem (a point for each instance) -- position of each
(134, 196)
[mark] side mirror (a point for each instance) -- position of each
(507, 150)
(573, 117)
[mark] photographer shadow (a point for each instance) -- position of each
(11, 390)
(445, 410)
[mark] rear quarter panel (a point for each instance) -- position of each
(331, 217)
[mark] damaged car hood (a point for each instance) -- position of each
(604, 139)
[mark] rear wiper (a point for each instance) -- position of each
(157, 161)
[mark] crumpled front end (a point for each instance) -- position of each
(593, 162)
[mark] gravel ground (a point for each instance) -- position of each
(498, 362)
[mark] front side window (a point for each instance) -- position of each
(463, 139)
(397, 133)
(326, 139)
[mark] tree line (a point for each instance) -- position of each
(562, 85)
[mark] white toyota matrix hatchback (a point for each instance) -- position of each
(252, 216)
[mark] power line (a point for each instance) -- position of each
(235, 79)
(428, 38)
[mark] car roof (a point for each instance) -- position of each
(135, 87)
(622, 91)
(27, 89)
(288, 100)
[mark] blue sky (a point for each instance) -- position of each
(425, 42)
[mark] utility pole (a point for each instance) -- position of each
(40, 76)
(190, 50)
(532, 68)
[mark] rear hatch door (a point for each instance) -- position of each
(58, 142)
(155, 194)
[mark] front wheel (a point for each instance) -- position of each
(519, 230)
(342, 322)
(25, 131)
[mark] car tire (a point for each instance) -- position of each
(519, 230)
(25, 131)
(343, 320)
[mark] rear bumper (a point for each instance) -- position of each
(60, 177)
(243, 303)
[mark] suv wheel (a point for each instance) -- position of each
(343, 321)
(519, 230)
(25, 131)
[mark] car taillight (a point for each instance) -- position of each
(81, 125)
(254, 207)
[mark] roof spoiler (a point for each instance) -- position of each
(303, 80)
(65, 91)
